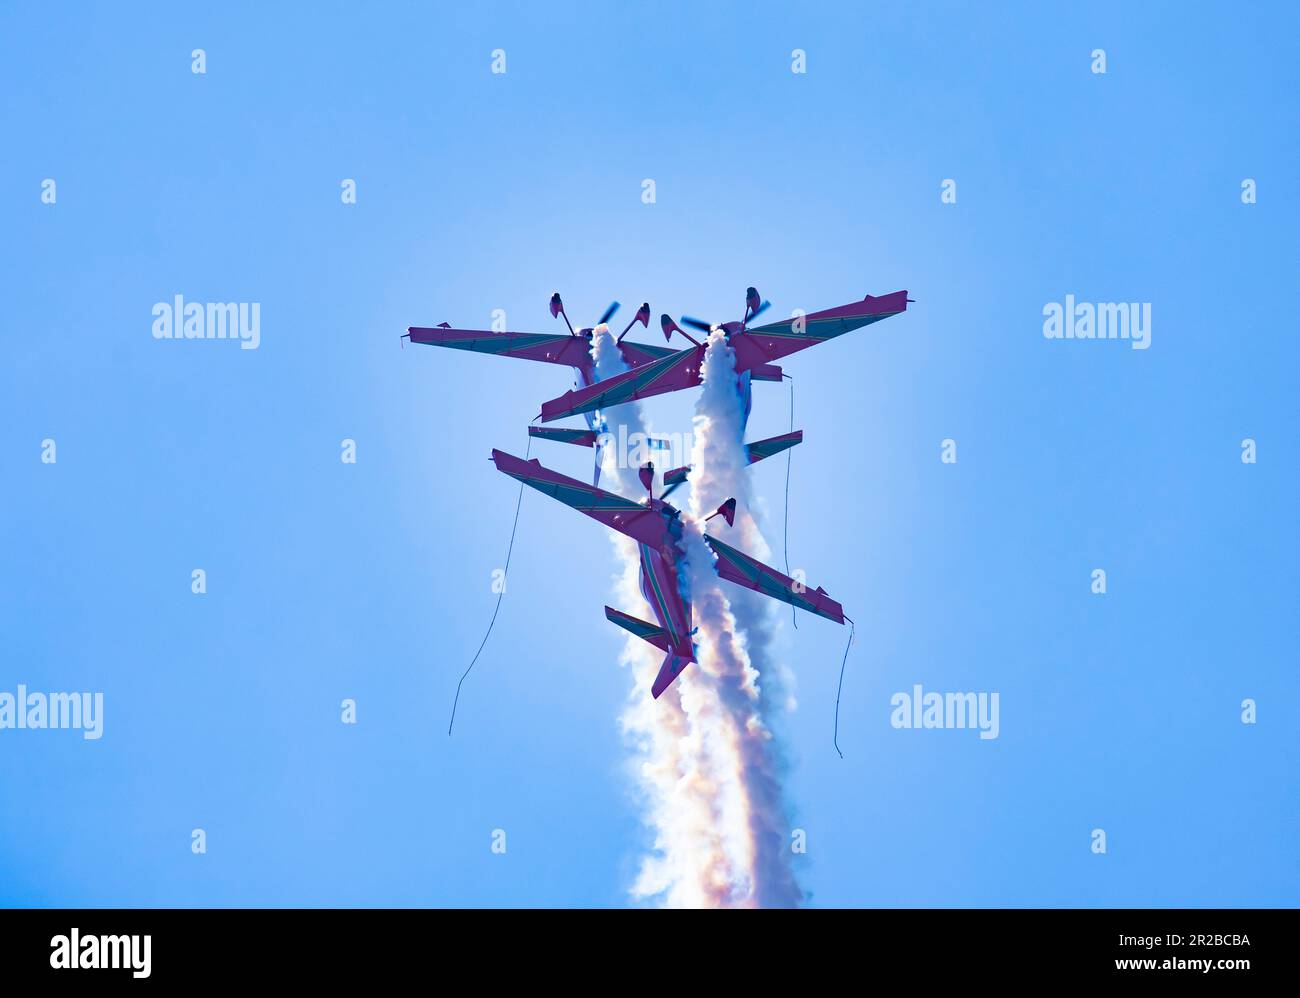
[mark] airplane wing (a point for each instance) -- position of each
(755, 351)
(679, 369)
(571, 351)
(637, 521)
(637, 354)
(549, 348)
(671, 373)
(738, 567)
(780, 339)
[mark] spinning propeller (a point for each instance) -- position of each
(754, 307)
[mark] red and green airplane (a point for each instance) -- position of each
(755, 350)
(656, 526)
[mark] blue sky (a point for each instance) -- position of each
(479, 192)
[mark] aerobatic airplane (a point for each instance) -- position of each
(755, 350)
(574, 349)
(656, 526)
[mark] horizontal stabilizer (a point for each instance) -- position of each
(760, 449)
(756, 451)
(643, 629)
(564, 435)
(676, 476)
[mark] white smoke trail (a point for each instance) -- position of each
(691, 864)
(706, 769)
(740, 625)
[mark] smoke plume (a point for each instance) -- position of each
(706, 767)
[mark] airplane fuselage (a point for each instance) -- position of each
(661, 569)
(661, 587)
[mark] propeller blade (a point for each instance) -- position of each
(758, 311)
(704, 327)
(609, 312)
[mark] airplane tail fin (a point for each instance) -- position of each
(674, 666)
(674, 663)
